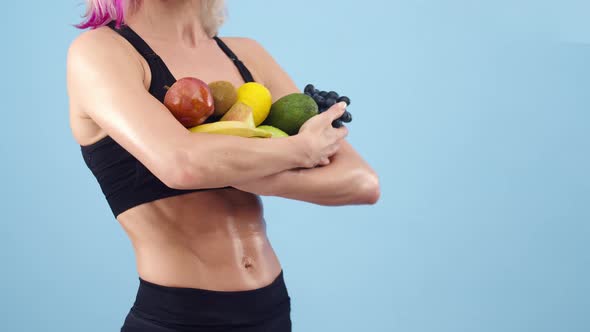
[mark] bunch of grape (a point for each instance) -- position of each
(326, 99)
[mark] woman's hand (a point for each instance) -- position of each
(320, 140)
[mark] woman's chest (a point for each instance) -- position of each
(207, 63)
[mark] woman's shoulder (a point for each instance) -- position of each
(244, 46)
(256, 57)
(99, 55)
(102, 50)
(99, 43)
(90, 40)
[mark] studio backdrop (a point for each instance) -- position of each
(475, 115)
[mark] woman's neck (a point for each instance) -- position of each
(176, 20)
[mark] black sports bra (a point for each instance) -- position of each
(124, 180)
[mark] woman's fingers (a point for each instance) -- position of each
(341, 132)
(334, 148)
(335, 112)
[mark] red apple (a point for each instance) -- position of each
(190, 101)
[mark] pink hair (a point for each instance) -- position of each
(102, 12)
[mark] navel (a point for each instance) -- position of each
(248, 262)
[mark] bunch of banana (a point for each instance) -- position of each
(238, 121)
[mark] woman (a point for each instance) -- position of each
(188, 201)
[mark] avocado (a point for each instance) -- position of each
(290, 112)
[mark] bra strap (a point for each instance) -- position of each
(134, 39)
(246, 75)
(146, 51)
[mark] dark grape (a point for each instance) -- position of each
(333, 94)
(337, 124)
(346, 117)
(320, 100)
(344, 99)
(327, 99)
(330, 101)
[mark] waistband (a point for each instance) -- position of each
(201, 307)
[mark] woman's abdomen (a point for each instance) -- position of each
(209, 240)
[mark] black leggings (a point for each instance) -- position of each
(166, 309)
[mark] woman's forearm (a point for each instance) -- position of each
(347, 180)
(318, 185)
(231, 160)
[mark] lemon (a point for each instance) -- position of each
(258, 97)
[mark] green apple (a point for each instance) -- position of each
(276, 132)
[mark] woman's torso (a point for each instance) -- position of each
(213, 239)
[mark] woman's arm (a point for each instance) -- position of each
(348, 179)
(105, 81)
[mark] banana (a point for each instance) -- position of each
(234, 128)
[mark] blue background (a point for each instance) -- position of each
(474, 113)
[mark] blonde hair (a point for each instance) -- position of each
(213, 14)
(102, 12)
